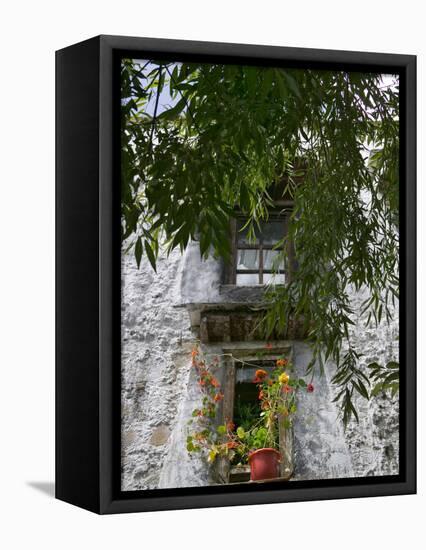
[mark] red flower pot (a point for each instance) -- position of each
(264, 464)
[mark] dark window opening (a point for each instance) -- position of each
(246, 409)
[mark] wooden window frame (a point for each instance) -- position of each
(249, 354)
(281, 212)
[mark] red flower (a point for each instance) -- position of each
(310, 388)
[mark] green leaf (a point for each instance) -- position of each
(392, 377)
(138, 251)
(151, 256)
(394, 389)
(292, 84)
(377, 389)
(373, 366)
(361, 389)
(240, 432)
(173, 112)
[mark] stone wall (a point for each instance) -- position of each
(159, 389)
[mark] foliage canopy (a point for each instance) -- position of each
(228, 133)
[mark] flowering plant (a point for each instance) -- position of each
(204, 435)
(277, 390)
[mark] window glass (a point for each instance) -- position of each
(247, 279)
(270, 260)
(272, 231)
(276, 279)
(259, 254)
(248, 259)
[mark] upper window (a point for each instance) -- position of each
(257, 260)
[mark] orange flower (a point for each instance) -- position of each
(260, 376)
(218, 397)
(215, 382)
(261, 394)
(230, 425)
(232, 444)
(194, 352)
(287, 389)
(281, 362)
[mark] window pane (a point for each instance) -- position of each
(242, 234)
(272, 231)
(270, 260)
(247, 279)
(247, 259)
(275, 279)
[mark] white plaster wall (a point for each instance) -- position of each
(155, 366)
(159, 390)
(374, 442)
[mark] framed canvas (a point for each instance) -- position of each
(236, 291)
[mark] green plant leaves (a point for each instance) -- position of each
(386, 378)
(240, 432)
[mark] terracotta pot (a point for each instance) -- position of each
(264, 464)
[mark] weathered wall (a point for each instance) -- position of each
(159, 389)
(374, 442)
(155, 366)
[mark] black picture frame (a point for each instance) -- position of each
(88, 276)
